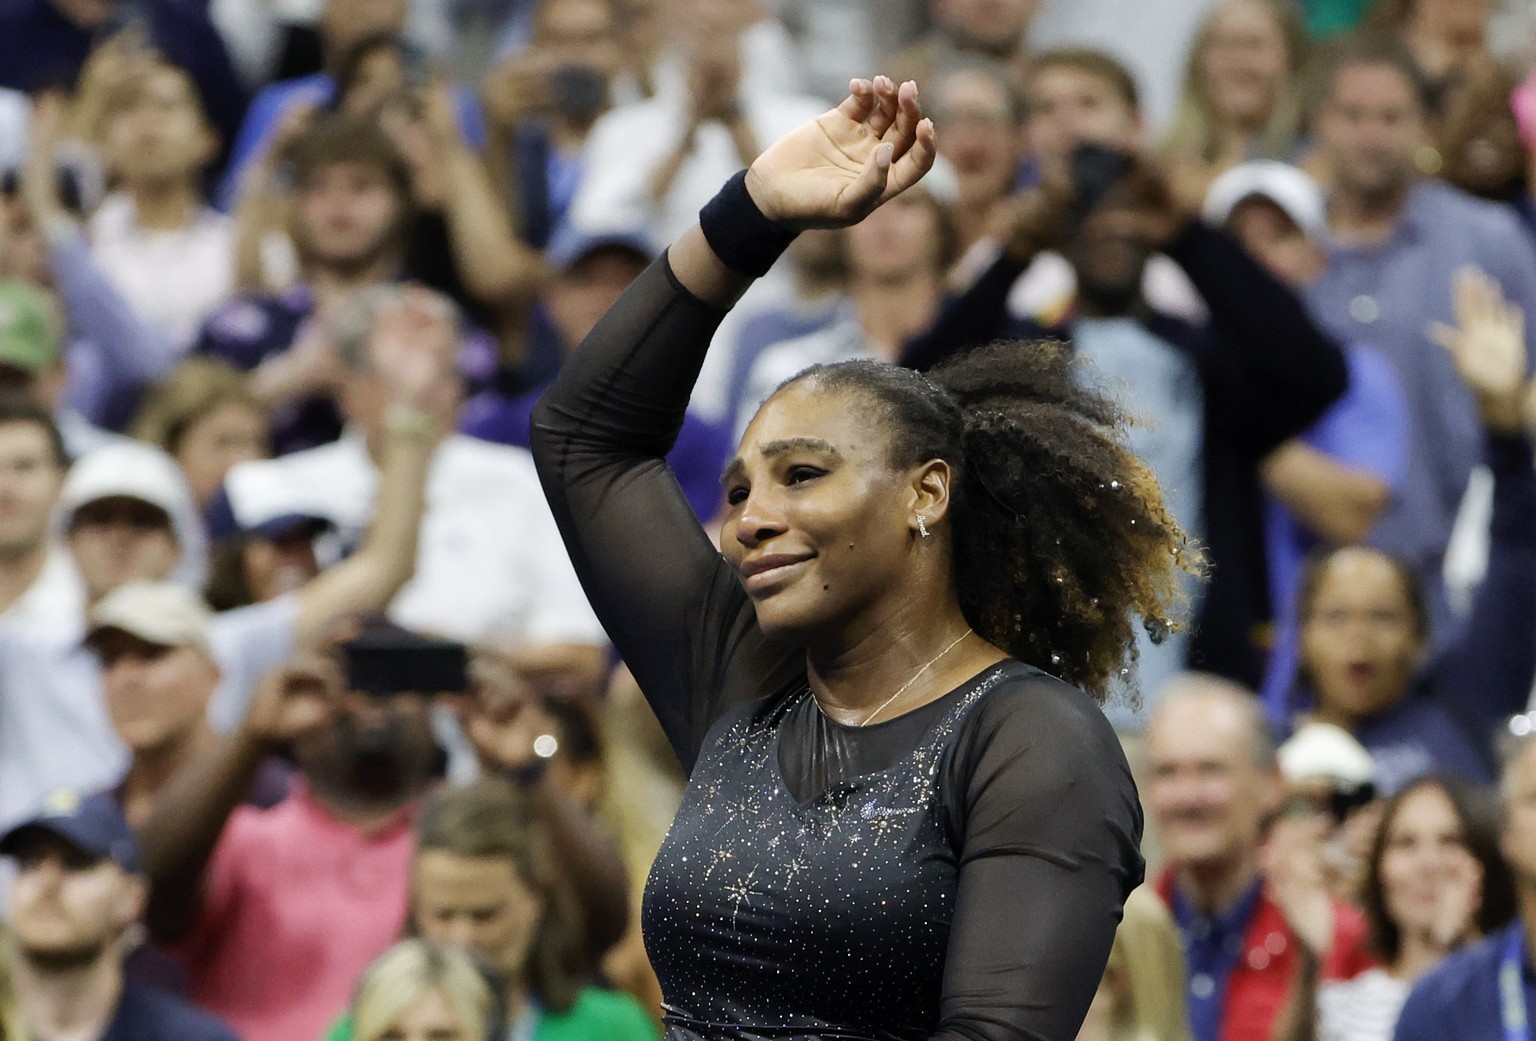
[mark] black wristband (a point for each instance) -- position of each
(745, 241)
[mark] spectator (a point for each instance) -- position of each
(265, 907)
(352, 207)
(1478, 138)
(420, 990)
(1397, 241)
(205, 416)
(45, 43)
(1241, 96)
(78, 896)
(541, 104)
(1483, 991)
(982, 113)
(1075, 97)
(128, 516)
(1443, 36)
(343, 24)
(486, 880)
(1436, 882)
(111, 352)
(1365, 627)
(1330, 485)
(1142, 994)
(1250, 917)
(968, 33)
(658, 161)
(39, 586)
(1330, 779)
(491, 566)
(157, 242)
(1226, 392)
(897, 257)
(590, 271)
(159, 672)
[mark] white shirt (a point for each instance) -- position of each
(843, 340)
(55, 599)
(173, 279)
(628, 145)
(1364, 1008)
(491, 566)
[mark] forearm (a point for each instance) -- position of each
(663, 177)
(496, 267)
(367, 581)
(184, 827)
(1335, 502)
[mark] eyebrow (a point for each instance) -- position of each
(774, 449)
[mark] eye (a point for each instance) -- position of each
(801, 474)
(736, 495)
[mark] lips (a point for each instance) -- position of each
(765, 571)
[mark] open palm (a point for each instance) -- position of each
(834, 170)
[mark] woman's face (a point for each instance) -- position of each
(1359, 641)
(231, 433)
(897, 240)
(1245, 62)
(817, 523)
(477, 904)
(430, 1019)
(1425, 865)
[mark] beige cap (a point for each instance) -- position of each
(1322, 751)
(156, 612)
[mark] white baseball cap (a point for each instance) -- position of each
(1322, 751)
(129, 470)
(1288, 187)
(162, 613)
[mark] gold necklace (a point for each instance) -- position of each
(926, 666)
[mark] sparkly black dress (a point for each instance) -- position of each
(955, 872)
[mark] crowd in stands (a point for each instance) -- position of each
(307, 730)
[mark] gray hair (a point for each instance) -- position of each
(1209, 686)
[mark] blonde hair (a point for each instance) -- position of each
(1148, 962)
(11, 1028)
(410, 971)
(1193, 134)
(195, 389)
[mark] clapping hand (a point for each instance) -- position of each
(834, 170)
(415, 345)
(1487, 346)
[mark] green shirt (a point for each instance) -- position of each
(597, 1015)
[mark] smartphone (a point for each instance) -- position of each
(1095, 170)
(387, 663)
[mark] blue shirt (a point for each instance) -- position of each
(1388, 294)
(1459, 999)
(1417, 737)
(1368, 429)
(149, 1015)
(1212, 947)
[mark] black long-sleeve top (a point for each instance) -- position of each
(953, 873)
(1267, 373)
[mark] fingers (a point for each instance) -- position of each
(1447, 336)
(886, 108)
(918, 160)
(860, 101)
(869, 189)
(909, 113)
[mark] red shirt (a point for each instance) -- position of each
(297, 904)
(1261, 981)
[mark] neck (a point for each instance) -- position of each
(19, 569)
(1367, 217)
(893, 310)
(333, 282)
(1418, 952)
(365, 811)
(1216, 885)
(73, 1004)
(165, 206)
(152, 768)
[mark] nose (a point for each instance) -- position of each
(758, 521)
(460, 934)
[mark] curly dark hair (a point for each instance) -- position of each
(1059, 535)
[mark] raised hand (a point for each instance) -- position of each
(1293, 872)
(415, 346)
(294, 701)
(502, 715)
(834, 170)
(1487, 346)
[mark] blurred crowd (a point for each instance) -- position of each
(306, 728)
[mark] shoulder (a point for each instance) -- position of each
(1457, 985)
(1444, 203)
(151, 1013)
(1033, 706)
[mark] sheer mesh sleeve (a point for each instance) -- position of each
(1047, 818)
(669, 602)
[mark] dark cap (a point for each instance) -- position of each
(93, 824)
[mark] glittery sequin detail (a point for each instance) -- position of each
(766, 917)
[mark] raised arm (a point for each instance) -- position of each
(670, 604)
